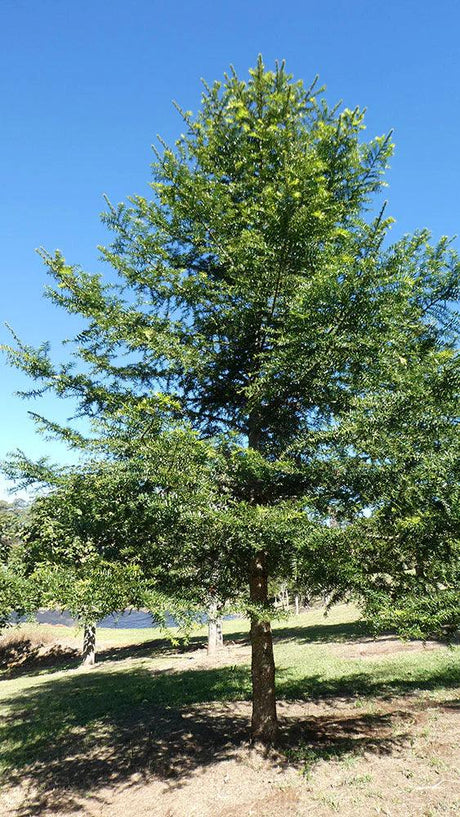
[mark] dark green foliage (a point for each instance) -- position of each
(17, 595)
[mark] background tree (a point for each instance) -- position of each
(10, 515)
(71, 558)
(254, 301)
(17, 596)
(409, 544)
(138, 530)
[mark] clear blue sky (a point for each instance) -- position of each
(86, 85)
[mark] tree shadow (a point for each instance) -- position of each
(68, 736)
(453, 705)
(360, 684)
(159, 646)
(23, 657)
(325, 633)
(329, 737)
(317, 633)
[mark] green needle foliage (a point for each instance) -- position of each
(254, 301)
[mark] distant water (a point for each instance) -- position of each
(129, 619)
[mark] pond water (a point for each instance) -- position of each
(129, 619)
(126, 620)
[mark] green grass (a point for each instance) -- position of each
(307, 672)
(77, 728)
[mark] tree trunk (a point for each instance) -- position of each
(264, 720)
(89, 645)
(215, 636)
(264, 724)
(219, 634)
(296, 600)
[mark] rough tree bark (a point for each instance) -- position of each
(264, 723)
(264, 720)
(89, 645)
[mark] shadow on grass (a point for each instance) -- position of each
(452, 705)
(332, 738)
(68, 736)
(27, 658)
(23, 657)
(313, 634)
(367, 685)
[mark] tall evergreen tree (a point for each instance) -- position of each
(254, 301)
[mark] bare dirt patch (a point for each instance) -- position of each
(399, 759)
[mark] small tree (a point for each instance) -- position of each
(17, 595)
(138, 529)
(72, 558)
(255, 302)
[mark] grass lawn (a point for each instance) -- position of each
(368, 727)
